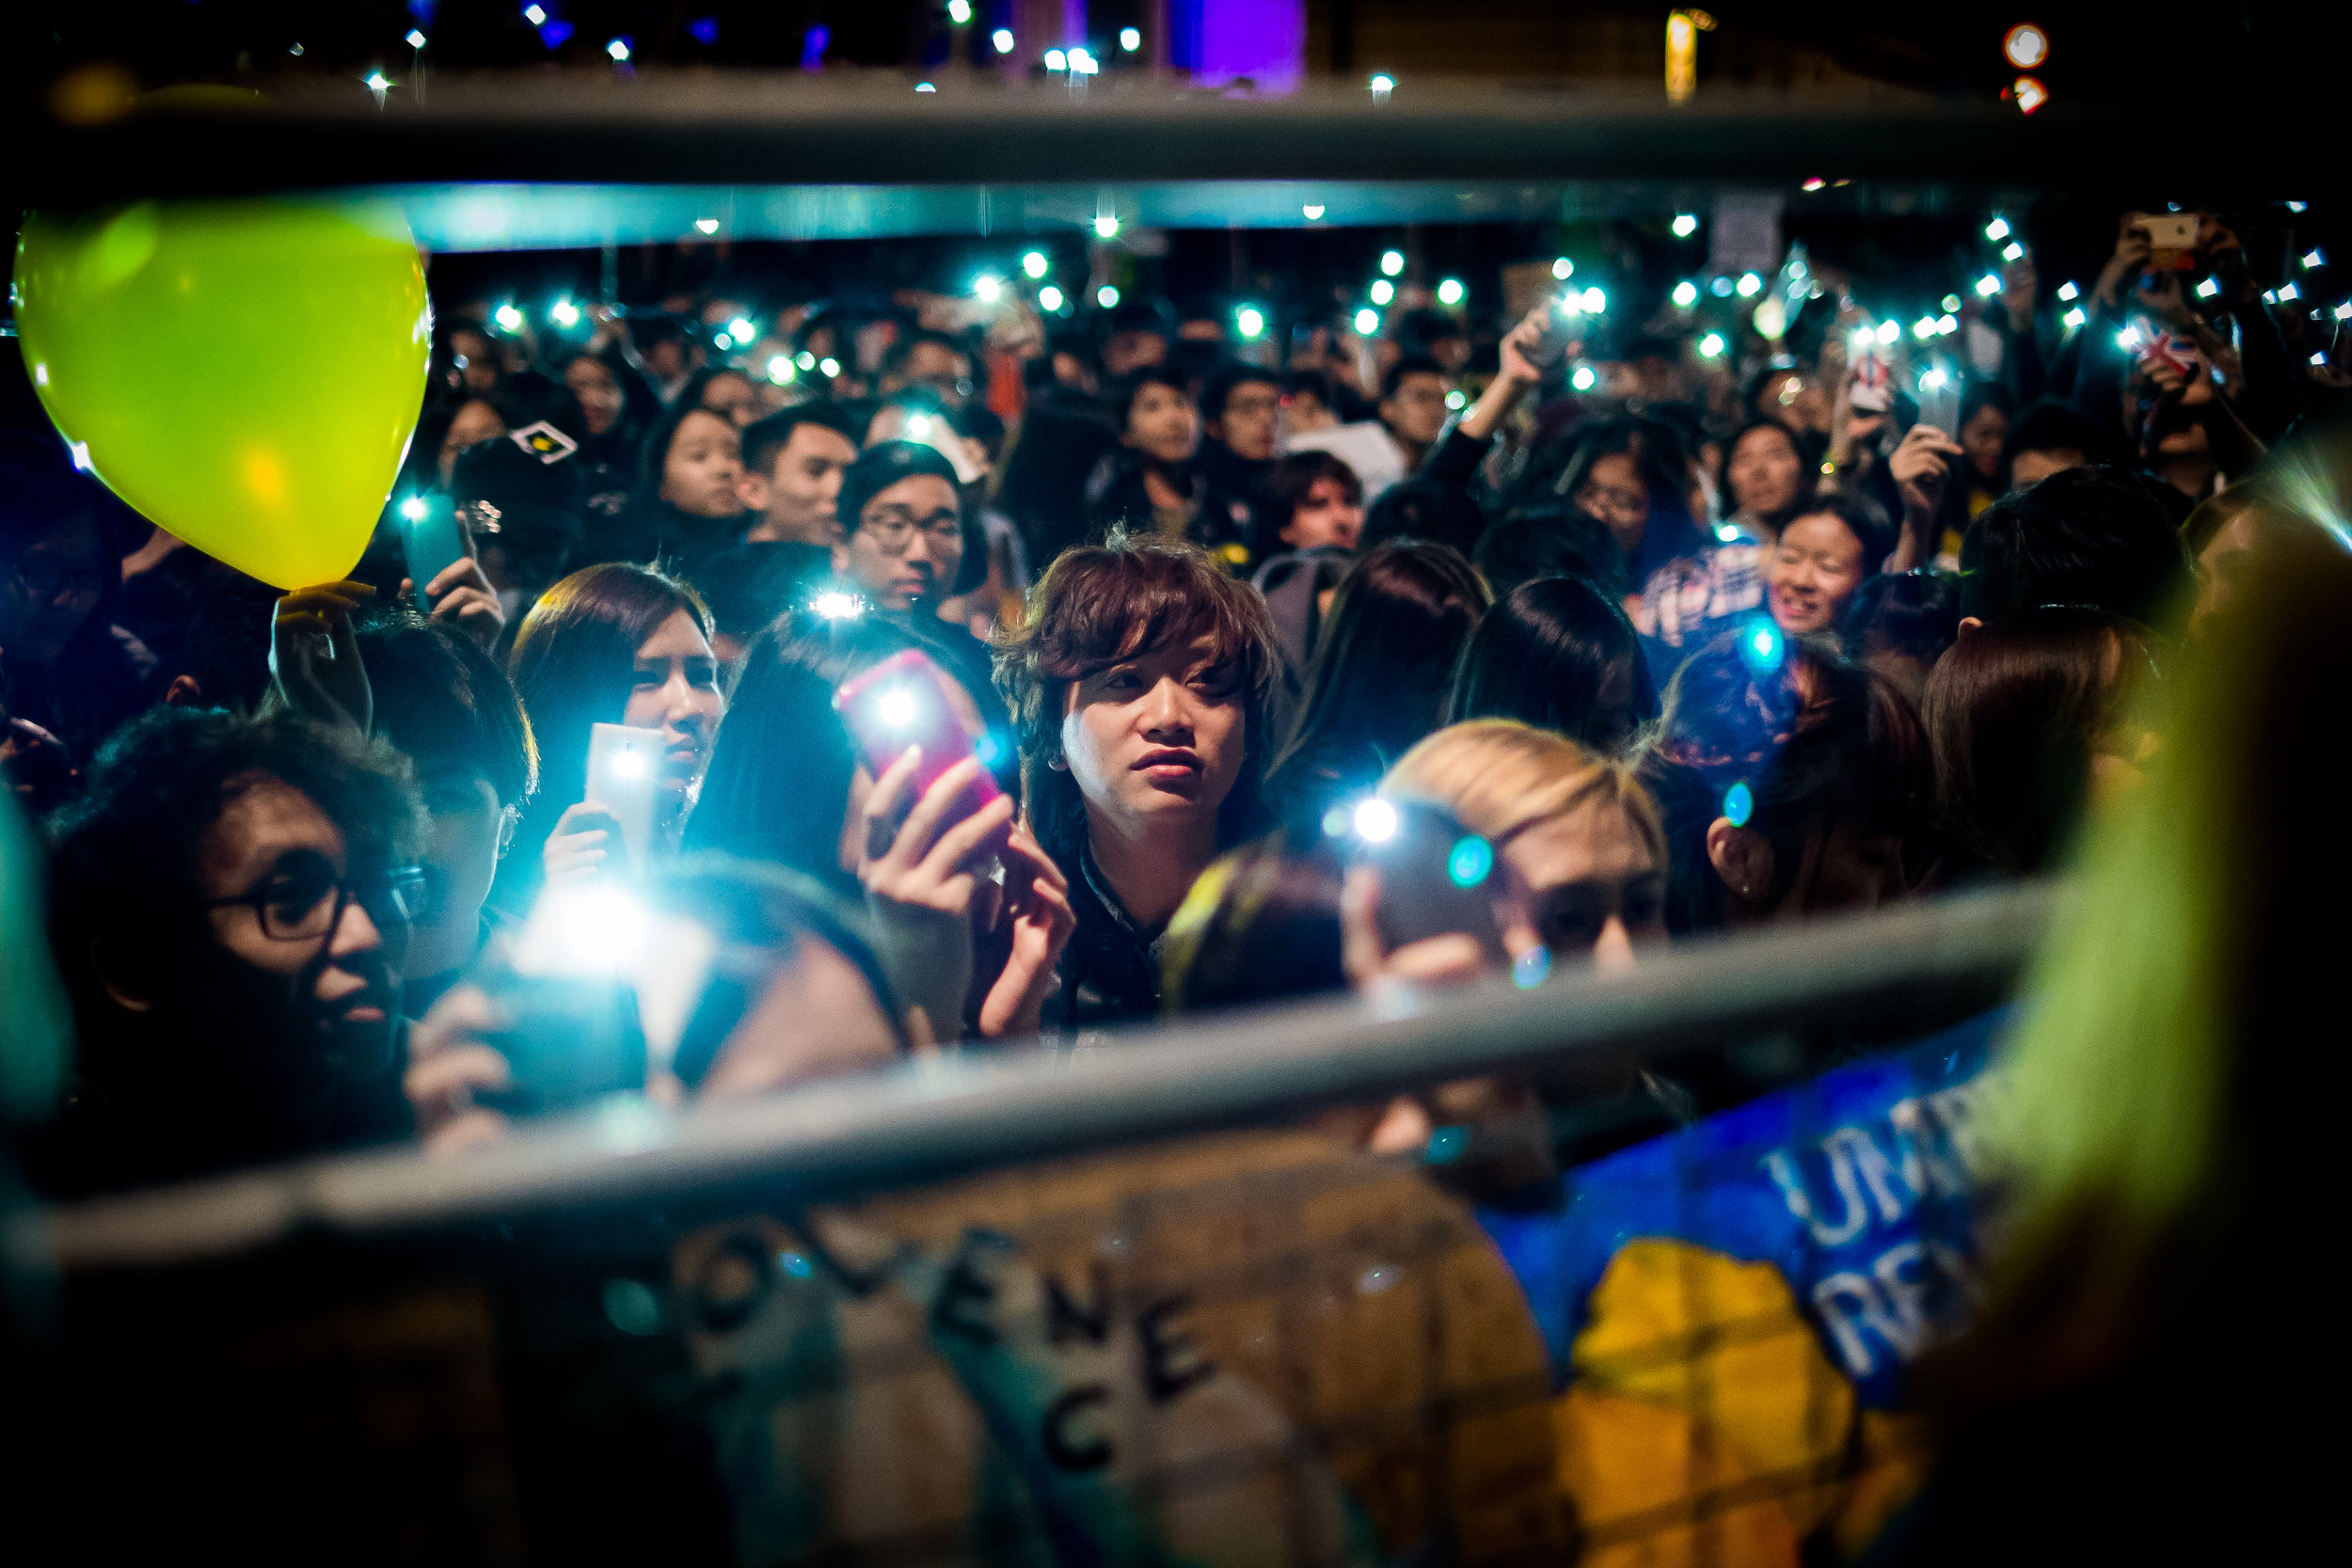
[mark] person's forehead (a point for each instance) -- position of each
(812, 439)
(916, 492)
(1261, 394)
(678, 637)
(262, 818)
(1595, 841)
(703, 425)
(1821, 531)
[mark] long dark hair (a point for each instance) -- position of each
(1378, 679)
(641, 405)
(1554, 476)
(1789, 748)
(1098, 604)
(1556, 653)
(1807, 475)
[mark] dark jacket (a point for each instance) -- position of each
(1110, 971)
(1115, 496)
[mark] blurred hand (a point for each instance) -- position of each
(34, 766)
(1920, 467)
(1518, 346)
(461, 591)
(314, 665)
(1037, 903)
(448, 1064)
(922, 878)
(585, 837)
(1454, 958)
(2130, 258)
(2021, 286)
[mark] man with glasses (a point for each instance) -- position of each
(903, 518)
(232, 910)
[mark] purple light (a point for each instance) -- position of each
(1223, 40)
(706, 30)
(554, 34)
(813, 49)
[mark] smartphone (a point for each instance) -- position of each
(571, 1040)
(902, 702)
(1562, 324)
(624, 766)
(2172, 240)
(1434, 874)
(433, 541)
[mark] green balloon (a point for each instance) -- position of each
(245, 373)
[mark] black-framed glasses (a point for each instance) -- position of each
(305, 905)
(894, 530)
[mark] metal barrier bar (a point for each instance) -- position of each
(959, 1111)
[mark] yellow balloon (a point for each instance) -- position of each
(245, 373)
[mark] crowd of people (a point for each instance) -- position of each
(1689, 652)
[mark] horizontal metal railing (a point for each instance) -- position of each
(1919, 965)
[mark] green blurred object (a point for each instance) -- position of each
(35, 1031)
(245, 373)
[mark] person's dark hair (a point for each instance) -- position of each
(1420, 331)
(1098, 604)
(1815, 742)
(894, 363)
(1531, 542)
(764, 441)
(573, 661)
(2053, 424)
(1218, 389)
(527, 397)
(748, 585)
(1380, 672)
(539, 524)
(1259, 926)
(883, 465)
(1864, 518)
(1555, 654)
(2014, 713)
(1316, 385)
(1063, 436)
(1553, 477)
(1291, 479)
(1121, 394)
(1410, 364)
(1137, 315)
(1979, 395)
(653, 452)
(1807, 473)
(1915, 613)
(226, 651)
(2085, 536)
(1424, 510)
(447, 704)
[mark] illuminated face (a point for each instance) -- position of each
(907, 544)
(731, 397)
(797, 498)
(1614, 493)
(1765, 473)
(1327, 517)
(1814, 573)
(599, 393)
(1981, 438)
(673, 688)
(1154, 742)
(1586, 884)
(1162, 423)
(704, 467)
(478, 420)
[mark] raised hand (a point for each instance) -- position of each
(314, 666)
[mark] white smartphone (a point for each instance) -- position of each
(623, 765)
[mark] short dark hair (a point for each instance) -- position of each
(2085, 536)
(1218, 389)
(1864, 518)
(445, 703)
(1411, 364)
(1121, 394)
(764, 441)
(1531, 542)
(1425, 508)
(1544, 653)
(1915, 613)
(2052, 424)
(894, 362)
(1098, 604)
(883, 465)
(1290, 481)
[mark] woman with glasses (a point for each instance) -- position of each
(232, 910)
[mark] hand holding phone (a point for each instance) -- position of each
(433, 541)
(1433, 874)
(903, 702)
(624, 767)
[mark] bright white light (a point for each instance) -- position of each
(2128, 338)
(2074, 317)
(898, 709)
(2343, 312)
(833, 604)
(1107, 295)
(509, 318)
(1057, 60)
(618, 49)
(829, 366)
(1888, 332)
(377, 82)
(2288, 292)
(1003, 40)
(2012, 252)
(1130, 39)
(414, 509)
(2207, 287)
(1312, 211)
(960, 11)
(2314, 259)
(1860, 340)
(1749, 284)
(1034, 263)
(1367, 324)
(2068, 291)
(1951, 302)
(988, 288)
(1946, 324)
(1595, 302)
(807, 360)
(1710, 345)
(1923, 328)
(1106, 227)
(707, 226)
(1375, 821)
(1996, 229)
(2319, 360)
(416, 39)
(1457, 400)
(1049, 298)
(723, 342)
(594, 928)
(1563, 268)
(1382, 291)
(742, 330)
(1084, 63)
(1382, 85)
(1250, 319)
(1450, 292)
(2026, 46)
(925, 87)
(1583, 378)
(533, 15)
(1686, 293)
(1719, 287)
(780, 369)
(1988, 285)
(1391, 262)
(564, 313)
(1686, 225)
(1933, 379)
(2297, 206)
(629, 763)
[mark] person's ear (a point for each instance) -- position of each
(1742, 859)
(1970, 623)
(751, 490)
(183, 692)
(125, 985)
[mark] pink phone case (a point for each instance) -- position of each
(899, 702)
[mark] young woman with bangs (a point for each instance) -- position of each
(1138, 685)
